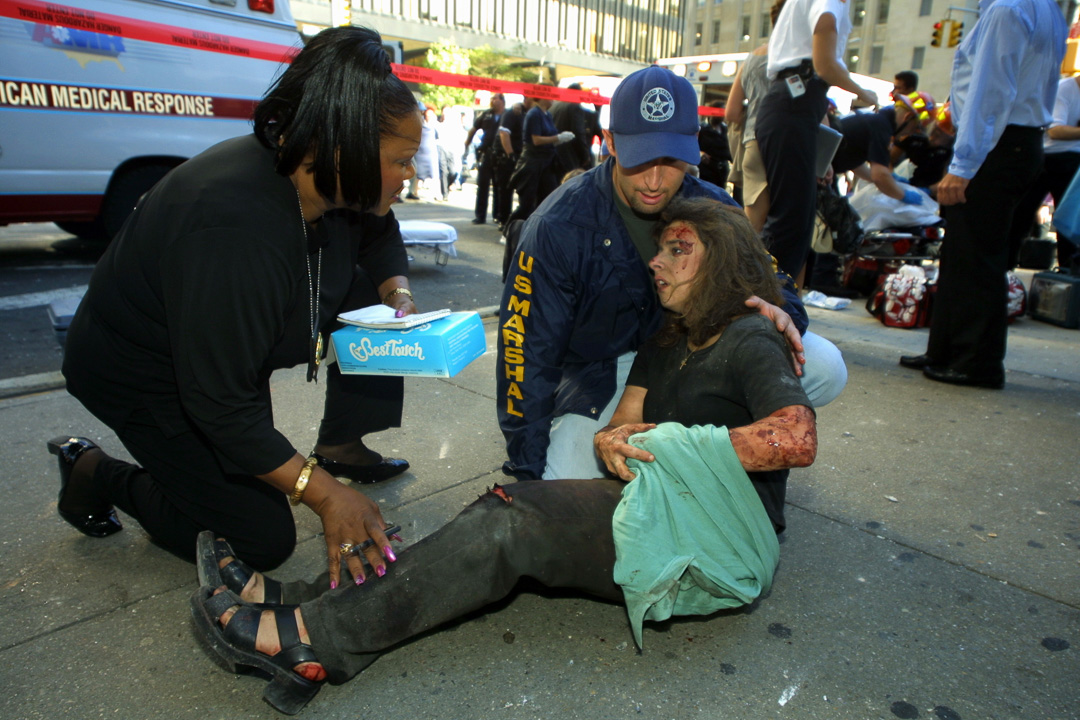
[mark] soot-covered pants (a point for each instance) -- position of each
(557, 532)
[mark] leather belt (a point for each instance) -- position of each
(805, 70)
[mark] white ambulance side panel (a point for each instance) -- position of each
(142, 81)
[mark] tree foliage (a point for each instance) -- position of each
(483, 61)
(492, 63)
(447, 57)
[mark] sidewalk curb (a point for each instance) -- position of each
(30, 384)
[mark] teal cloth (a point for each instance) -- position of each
(691, 534)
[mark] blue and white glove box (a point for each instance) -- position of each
(440, 348)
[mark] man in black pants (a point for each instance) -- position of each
(1061, 161)
(488, 122)
(507, 152)
(1003, 86)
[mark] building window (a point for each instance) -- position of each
(876, 54)
(852, 59)
(763, 31)
(858, 9)
(883, 11)
(926, 7)
(697, 34)
(917, 56)
(717, 2)
(745, 27)
(715, 31)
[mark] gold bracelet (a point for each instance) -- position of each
(396, 291)
(302, 481)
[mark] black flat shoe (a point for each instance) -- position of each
(993, 381)
(363, 474)
(235, 645)
(916, 362)
(210, 551)
(99, 524)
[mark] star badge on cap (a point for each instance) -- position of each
(657, 105)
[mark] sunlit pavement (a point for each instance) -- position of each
(929, 569)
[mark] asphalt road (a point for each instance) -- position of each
(40, 265)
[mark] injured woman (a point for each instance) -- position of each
(712, 418)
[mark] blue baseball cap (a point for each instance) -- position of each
(654, 114)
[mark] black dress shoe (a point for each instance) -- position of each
(363, 474)
(916, 362)
(98, 524)
(991, 381)
(478, 221)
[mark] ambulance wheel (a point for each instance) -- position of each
(124, 192)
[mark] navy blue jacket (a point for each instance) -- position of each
(577, 296)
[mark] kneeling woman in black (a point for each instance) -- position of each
(237, 264)
(558, 532)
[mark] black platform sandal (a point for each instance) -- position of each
(209, 553)
(98, 524)
(288, 692)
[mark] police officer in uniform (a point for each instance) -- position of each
(488, 123)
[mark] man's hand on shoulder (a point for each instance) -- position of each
(785, 325)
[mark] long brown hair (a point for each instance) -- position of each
(734, 267)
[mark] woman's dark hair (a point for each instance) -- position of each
(734, 267)
(336, 100)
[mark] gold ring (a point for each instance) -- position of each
(345, 547)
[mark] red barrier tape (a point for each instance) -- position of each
(414, 74)
(65, 16)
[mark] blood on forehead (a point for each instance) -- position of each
(682, 234)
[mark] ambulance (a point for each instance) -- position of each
(100, 98)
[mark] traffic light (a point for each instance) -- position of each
(939, 28)
(955, 33)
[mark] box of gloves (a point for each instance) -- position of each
(440, 347)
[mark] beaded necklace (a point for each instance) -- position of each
(315, 343)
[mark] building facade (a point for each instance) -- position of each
(567, 38)
(888, 35)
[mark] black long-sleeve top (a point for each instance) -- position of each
(205, 292)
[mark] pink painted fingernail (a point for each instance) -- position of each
(396, 537)
(333, 584)
(389, 554)
(359, 580)
(381, 570)
(399, 313)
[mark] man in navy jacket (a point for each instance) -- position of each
(579, 298)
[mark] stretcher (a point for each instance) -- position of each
(435, 236)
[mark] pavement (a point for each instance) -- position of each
(930, 568)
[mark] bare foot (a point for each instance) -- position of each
(255, 590)
(268, 643)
